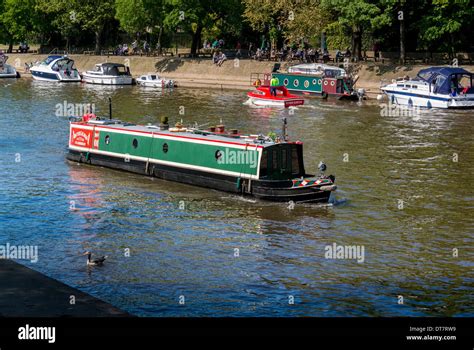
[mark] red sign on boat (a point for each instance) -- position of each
(81, 137)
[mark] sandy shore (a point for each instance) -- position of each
(28, 293)
(235, 74)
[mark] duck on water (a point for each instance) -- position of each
(254, 165)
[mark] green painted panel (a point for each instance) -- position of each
(300, 82)
(232, 159)
(124, 143)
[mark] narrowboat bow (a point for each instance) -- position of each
(251, 165)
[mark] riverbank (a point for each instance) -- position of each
(234, 74)
(28, 293)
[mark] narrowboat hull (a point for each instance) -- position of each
(276, 191)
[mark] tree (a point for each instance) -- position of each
(357, 15)
(17, 19)
(195, 15)
(447, 25)
(142, 15)
(90, 15)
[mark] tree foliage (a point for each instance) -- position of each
(429, 24)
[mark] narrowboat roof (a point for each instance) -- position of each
(257, 140)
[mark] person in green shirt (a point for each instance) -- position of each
(273, 86)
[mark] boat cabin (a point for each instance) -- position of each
(114, 69)
(448, 80)
(282, 161)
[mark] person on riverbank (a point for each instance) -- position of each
(222, 59)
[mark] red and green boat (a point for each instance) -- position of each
(246, 164)
(321, 80)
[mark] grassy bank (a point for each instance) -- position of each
(232, 74)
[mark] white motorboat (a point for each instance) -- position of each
(155, 81)
(108, 74)
(55, 68)
(435, 87)
(6, 70)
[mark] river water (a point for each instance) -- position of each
(405, 196)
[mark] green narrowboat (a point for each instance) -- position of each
(319, 80)
(251, 165)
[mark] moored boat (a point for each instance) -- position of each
(252, 165)
(6, 70)
(55, 68)
(262, 96)
(435, 87)
(155, 81)
(108, 74)
(321, 80)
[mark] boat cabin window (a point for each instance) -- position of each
(153, 77)
(414, 86)
(281, 162)
(400, 85)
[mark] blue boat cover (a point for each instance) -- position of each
(444, 78)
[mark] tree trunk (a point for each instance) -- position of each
(196, 39)
(158, 45)
(357, 42)
(10, 45)
(402, 41)
(97, 41)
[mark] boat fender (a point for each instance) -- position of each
(328, 188)
(325, 95)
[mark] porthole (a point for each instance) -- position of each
(107, 139)
(325, 82)
(296, 83)
(314, 81)
(285, 82)
(135, 143)
(319, 81)
(333, 83)
(165, 148)
(218, 155)
(306, 84)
